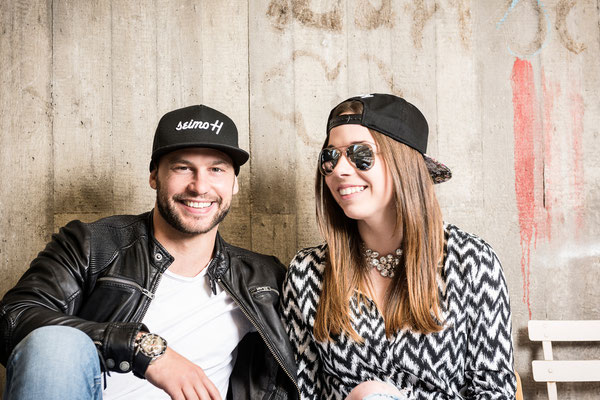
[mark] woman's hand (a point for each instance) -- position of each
(374, 387)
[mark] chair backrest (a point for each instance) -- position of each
(552, 371)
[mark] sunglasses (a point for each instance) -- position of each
(360, 155)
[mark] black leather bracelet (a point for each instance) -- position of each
(140, 364)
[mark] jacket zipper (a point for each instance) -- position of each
(261, 289)
(127, 282)
(240, 305)
(150, 295)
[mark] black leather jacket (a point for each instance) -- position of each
(101, 277)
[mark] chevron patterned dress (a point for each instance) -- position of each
(471, 358)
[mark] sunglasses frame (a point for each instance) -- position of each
(344, 151)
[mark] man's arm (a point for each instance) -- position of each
(51, 292)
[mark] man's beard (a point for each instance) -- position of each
(168, 211)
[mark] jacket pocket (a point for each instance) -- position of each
(280, 394)
(113, 299)
(264, 293)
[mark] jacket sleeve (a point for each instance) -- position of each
(489, 367)
(51, 292)
(296, 298)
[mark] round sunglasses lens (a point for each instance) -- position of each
(361, 156)
(328, 160)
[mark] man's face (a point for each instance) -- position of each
(194, 188)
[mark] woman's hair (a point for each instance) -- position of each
(412, 299)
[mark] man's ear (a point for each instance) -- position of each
(236, 187)
(152, 178)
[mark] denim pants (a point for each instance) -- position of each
(54, 363)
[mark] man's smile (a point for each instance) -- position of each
(197, 204)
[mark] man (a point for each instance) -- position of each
(159, 296)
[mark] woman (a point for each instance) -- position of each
(396, 304)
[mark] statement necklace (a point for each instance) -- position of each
(386, 265)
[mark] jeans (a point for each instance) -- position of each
(54, 363)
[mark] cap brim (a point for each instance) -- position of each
(438, 171)
(238, 156)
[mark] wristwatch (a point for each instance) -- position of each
(151, 345)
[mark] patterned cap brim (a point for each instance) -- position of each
(438, 171)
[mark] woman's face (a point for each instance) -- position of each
(363, 195)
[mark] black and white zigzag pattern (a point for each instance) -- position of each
(471, 358)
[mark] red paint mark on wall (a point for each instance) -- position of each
(524, 119)
(577, 111)
(549, 176)
(551, 93)
(563, 177)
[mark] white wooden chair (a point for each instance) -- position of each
(552, 371)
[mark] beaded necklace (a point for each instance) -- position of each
(386, 265)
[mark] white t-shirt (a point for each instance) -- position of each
(203, 327)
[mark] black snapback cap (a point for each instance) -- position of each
(396, 118)
(197, 126)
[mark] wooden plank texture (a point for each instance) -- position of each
(179, 54)
(458, 111)
(272, 128)
(82, 100)
(26, 203)
(134, 107)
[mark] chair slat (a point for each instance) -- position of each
(571, 331)
(566, 371)
(547, 346)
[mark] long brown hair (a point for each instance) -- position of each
(412, 299)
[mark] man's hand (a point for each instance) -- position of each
(181, 378)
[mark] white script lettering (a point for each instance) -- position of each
(192, 124)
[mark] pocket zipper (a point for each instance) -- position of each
(261, 289)
(127, 282)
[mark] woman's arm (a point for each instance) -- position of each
(299, 326)
(489, 367)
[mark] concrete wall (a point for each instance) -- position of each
(510, 89)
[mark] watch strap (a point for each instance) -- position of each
(143, 357)
(140, 364)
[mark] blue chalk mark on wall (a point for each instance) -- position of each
(503, 19)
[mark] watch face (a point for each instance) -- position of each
(153, 345)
